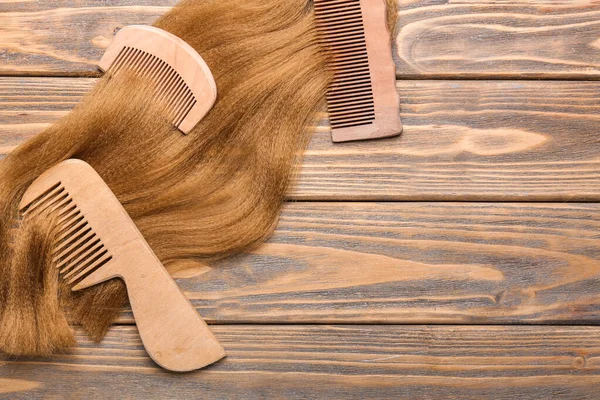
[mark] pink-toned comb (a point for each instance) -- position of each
(98, 241)
(362, 100)
(182, 78)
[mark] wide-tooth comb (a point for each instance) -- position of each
(96, 240)
(183, 80)
(362, 101)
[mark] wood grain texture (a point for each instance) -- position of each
(330, 362)
(499, 38)
(377, 263)
(463, 140)
(394, 263)
(438, 38)
(65, 38)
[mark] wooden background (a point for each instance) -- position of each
(461, 260)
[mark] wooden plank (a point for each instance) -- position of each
(327, 362)
(463, 141)
(412, 263)
(439, 38)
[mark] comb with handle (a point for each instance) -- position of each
(182, 78)
(97, 241)
(362, 100)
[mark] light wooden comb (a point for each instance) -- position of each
(183, 80)
(362, 101)
(97, 241)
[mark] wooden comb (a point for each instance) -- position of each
(362, 100)
(183, 80)
(97, 241)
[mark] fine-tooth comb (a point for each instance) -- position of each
(98, 241)
(362, 101)
(183, 80)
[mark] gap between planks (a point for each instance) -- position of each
(406, 77)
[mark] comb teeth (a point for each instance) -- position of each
(78, 251)
(170, 86)
(341, 31)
